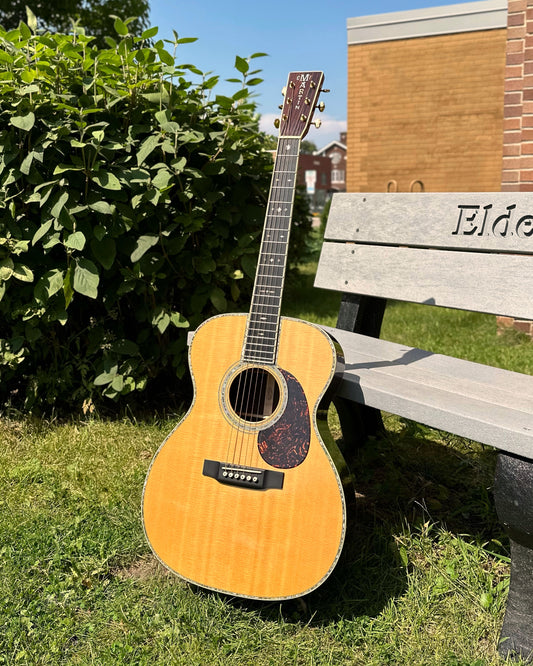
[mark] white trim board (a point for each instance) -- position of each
(432, 21)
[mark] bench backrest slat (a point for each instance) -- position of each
(488, 221)
(467, 251)
(497, 283)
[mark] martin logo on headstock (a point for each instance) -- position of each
(301, 95)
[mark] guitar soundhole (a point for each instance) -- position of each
(254, 394)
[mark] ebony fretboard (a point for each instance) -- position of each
(261, 339)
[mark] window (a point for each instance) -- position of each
(337, 175)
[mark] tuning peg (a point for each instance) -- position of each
(325, 90)
(317, 123)
(321, 106)
(284, 91)
(277, 123)
(280, 106)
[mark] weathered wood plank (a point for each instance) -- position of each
(494, 283)
(482, 403)
(490, 221)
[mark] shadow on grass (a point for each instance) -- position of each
(403, 480)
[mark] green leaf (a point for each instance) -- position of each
(86, 278)
(151, 32)
(486, 600)
(178, 320)
(32, 19)
(179, 164)
(107, 180)
(120, 27)
(249, 264)
(105, 377)
(125, 347)
(6, 268)
(76, 241)
(118, 383)
(48, 285)
(23, 273)
(147, 147)
(25, 32)
(165, 57)
(142, 245)
(41, 231)
(99, 232)
(102, 207)
(105, 251)
(163, 117)
(26, 164)
(24, 123)
(241, 65)
(162, 178)
(58, 206)
(218, 299)
(68, 291)
(161, 320)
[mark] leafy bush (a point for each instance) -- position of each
(131, 203)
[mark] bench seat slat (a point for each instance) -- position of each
(446, 393)
(486, 221)
(492, 283)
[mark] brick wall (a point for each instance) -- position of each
(427, 109)
(517, 171)
(517, 165)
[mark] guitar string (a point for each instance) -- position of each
(266, 278)
(280, 231)
(279, 218)
(265, 273)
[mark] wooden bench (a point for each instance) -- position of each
(468, 251)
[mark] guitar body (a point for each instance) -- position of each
(244, 497)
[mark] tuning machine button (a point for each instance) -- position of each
(317, 123)
(277, 123)
(321, 106)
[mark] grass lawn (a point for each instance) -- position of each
(422, 581)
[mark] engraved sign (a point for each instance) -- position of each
(478, 220)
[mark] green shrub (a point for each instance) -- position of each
(131, 203)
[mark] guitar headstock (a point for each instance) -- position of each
(301, 96)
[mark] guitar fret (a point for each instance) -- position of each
(262, 330)
(265, 305)
(260, 344)
(267, 339)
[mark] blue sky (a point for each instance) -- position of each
(297, 35)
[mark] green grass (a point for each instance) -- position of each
(422, 581)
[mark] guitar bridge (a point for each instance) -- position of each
(245, 477)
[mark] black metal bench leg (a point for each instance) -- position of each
(359, 314)
(513, 494)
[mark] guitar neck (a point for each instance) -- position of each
(262, 330)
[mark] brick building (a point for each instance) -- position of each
(426, 99)
(336, 152)
(323, 172)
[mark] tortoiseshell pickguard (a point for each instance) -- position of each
(286, 443)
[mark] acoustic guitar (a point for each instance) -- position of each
(246, 495)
